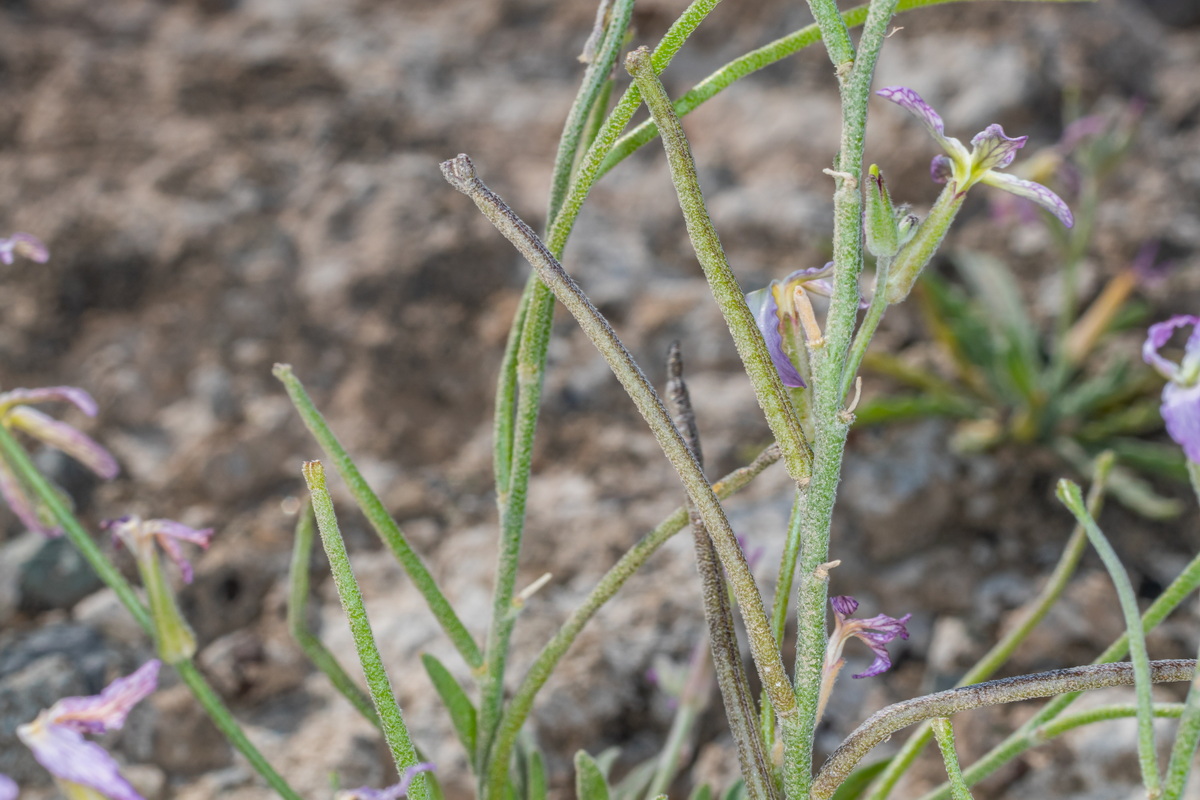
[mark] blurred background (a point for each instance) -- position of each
(227, 184)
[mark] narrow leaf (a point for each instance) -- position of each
(462, 711)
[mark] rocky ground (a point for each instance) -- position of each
(224, 185)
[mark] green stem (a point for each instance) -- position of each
(1070, 495)
(17, 458)
(866, 331)
(539, 672)
(883, 723)
(751, 347)
(718, 614)
(460, 173)
(945, 739)
(692, 701)
(1183, 751)
(835, 33)
(395, 732)
(1180, 588)
(830, 422)
(229, 728)
(297, 619)
(781, 602)
(383, 524)
(1032, 615)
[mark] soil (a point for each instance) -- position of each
(227, 184)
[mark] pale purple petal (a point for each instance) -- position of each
(941, 169)
(766, 314)
(1159, 334)
(1031, 191)
(69, 394)
(910, 100)
(70, 757)
(843, 605)
(169, 533)
(23, 244)
(20, 504)
(392, 792)
(106, 711)
(8, 788)
(991, 149)
(1181, 412)
(65, 437)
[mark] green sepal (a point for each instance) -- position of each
(462, 712)
(879, 218)
(589, 779)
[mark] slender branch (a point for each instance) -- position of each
(297, 619)
(746, 336)
(386, 528)
(726, 655)
(460, 172)
(1186, 583)
(392, 721)
(1030, 616)
(1070, 495)
(887, 721)
(945, 739)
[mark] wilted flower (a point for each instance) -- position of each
(1181, 395)
(173, 635)
(56, 736)
(390, 793)
(16, 414)
(874, 632)
(23, 244)
(783, 313)
(990, 151)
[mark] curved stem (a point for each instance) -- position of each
(887, 721)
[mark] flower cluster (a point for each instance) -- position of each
(16, 414)
(1181, 395)
(56, 736)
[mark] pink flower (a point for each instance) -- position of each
(56, 736)
(16, 414)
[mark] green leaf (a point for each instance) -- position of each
(735, 792)
(701, 792)
(462, 712)
(536, 777)
(589, 780)
(855, 785)
(896, 408)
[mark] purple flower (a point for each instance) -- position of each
(1181, 395)
(23, 244)
(56, 736)
(778, 316)
(991, 150)
(16, 414)
(8, 788)
(874, 632)
(140, 535)
(390, 793)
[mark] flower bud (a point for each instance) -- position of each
(883, 234)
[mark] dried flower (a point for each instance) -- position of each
(56, 736)
(173, 635)
(990, 151)
(23, 244)
(1181, 395)
(783, 313)
(874, 632)
(392, 792)
(16, 414)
